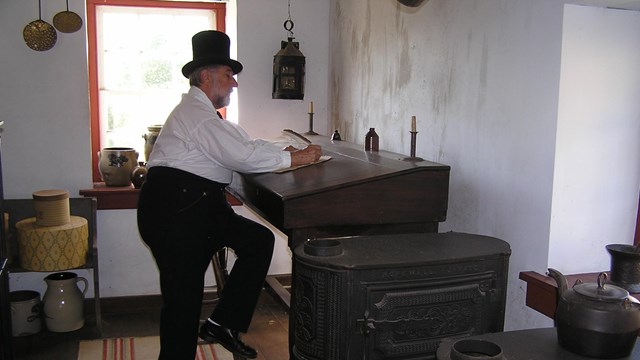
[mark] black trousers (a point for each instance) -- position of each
(185, 219)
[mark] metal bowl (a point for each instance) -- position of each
(468, 349)
(67, 21)
(40, 35)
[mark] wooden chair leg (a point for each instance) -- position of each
(219, 264)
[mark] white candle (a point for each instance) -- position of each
(311, 107)
(413, 124)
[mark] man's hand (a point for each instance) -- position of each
(308, 155)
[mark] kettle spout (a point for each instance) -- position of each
(561, 281)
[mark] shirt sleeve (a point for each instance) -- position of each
(230, 146)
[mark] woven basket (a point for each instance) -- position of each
(53, 248)
(52, 207)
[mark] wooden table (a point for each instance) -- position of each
(542, 289)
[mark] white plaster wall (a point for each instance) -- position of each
(45, 106)
(260, 30)
(597, 175)
(482, 78)
(44, 103)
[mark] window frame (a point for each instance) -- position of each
(94, 109)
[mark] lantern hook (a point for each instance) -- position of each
(288, 24)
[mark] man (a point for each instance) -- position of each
(183, 215)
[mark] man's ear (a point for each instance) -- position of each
(205, 75)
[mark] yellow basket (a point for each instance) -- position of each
(53, 248)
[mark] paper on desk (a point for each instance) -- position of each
(322, 159)
(290, 138)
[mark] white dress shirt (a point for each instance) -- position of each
(195, 139)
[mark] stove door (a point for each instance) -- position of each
(407, 320)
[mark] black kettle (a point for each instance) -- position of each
(596, 319)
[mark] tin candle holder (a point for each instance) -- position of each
(311, 132)
(412, 153)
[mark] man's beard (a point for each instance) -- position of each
(222, 101)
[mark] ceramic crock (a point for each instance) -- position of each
(150, 139)
(26, 312)
(116, 165)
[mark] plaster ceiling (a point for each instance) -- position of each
(612, 4)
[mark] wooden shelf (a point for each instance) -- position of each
(113, 197)
(19, 209)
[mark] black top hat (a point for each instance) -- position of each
(210, 47)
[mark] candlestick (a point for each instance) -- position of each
(311, 132)
(412, 156)
(413, 124)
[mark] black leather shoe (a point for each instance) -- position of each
(229, 339)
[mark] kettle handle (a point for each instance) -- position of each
(602, 279)
(631, 302)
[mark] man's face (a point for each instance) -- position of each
(218, 85)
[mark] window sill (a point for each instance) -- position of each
(124, 197)
(113, 197)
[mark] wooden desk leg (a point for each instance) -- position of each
(278, 290)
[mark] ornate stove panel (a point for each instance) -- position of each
(395, 296)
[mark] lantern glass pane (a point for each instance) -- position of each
(288, 82)
(285, 69)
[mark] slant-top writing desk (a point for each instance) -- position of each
(354, 193)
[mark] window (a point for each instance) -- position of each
(136, 52)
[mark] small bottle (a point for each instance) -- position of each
(336, 136)
(371, 140)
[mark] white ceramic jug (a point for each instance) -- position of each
(63, 302)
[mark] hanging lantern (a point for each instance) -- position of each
(288, 67)
(288, 72)
(411, 3)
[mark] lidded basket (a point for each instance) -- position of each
(52, 207)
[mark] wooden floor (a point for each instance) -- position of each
(131, 317)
